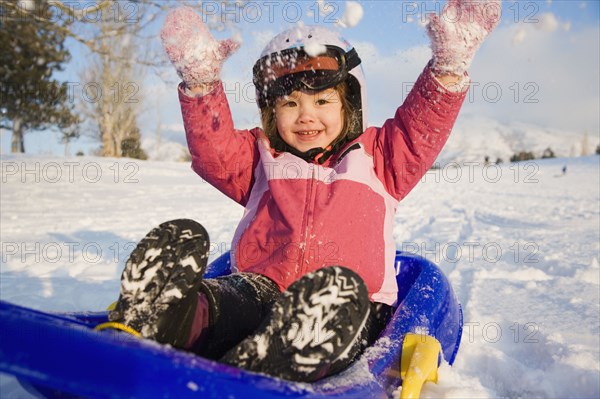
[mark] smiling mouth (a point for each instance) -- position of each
(309, 132)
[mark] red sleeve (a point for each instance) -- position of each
(221, 155)
(405, 147)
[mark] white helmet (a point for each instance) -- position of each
(310, 57)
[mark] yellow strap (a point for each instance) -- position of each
(419, 364)
(117, 326)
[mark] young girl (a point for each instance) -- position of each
(313, 279)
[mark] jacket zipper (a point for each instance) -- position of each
(307, 220)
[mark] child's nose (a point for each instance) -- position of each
(306, 115)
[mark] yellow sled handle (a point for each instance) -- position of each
(111, 325)
(419, 363)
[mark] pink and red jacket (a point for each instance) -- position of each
(301, 216)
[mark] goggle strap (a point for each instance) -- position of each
(352, 59)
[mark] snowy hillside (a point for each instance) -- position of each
(474, 137)
(519, 242)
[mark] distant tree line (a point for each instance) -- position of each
(529, 155)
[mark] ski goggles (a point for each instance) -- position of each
(280, 73)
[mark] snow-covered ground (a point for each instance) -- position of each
(519, 242)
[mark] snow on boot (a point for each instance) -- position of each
(159, 285)
(313, 331)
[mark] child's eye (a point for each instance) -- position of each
(286, 103)
(322, 101)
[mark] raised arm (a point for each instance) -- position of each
(409, 143)
(222, 155)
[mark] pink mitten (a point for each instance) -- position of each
(196, 55)
(458, 32)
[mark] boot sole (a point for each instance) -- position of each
(313, 327)
(162, 270)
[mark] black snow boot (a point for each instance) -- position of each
(159, 285)
(313, 331)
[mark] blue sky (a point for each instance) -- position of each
(540, 66)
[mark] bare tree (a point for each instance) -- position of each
(113, 79)
(585, 143)
(124, 46)
(69, 134)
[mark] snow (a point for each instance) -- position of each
(474, 137)
(26, 5)
(192, 386)
(520, 246)
(548, 22)
(353, 13)
(315, 49)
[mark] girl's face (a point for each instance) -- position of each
(307, 120)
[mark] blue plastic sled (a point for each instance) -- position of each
(61, 356)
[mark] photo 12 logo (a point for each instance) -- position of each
(326, 12)
(72, 11)
(65, 252)
(472, 251)
(492, 332)
(68, 172)
(513, 11)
